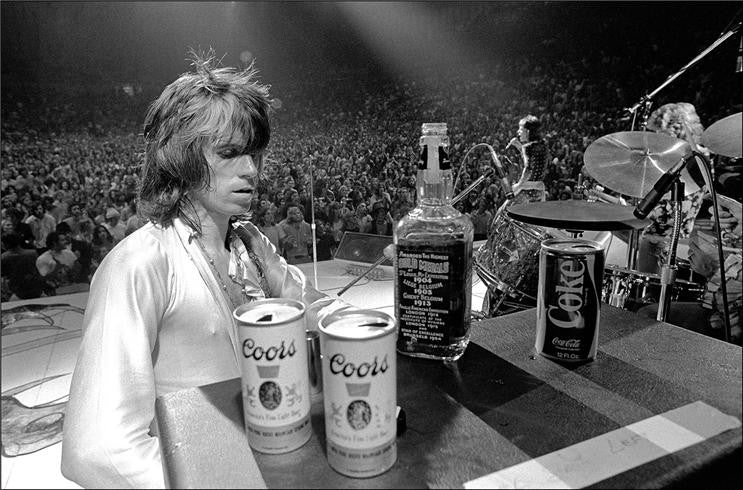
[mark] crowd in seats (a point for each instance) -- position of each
(347, 162)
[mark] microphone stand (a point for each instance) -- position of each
(646, 100)
(644, 105)
(470, 187)
(313, 226)
(669, 269)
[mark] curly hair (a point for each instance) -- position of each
(199, 108)
(679, 120)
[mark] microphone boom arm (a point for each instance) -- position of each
(646, 98)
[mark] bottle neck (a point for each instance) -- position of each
(434, 187)
(434, 180)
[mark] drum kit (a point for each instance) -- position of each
(628, 163)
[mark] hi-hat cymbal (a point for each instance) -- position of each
(578, 215)
(724, 136)
(631, 162)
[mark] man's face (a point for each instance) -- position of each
(380, 215)
(523, 134)
(62, 242)
(294, 215)
(233, 179)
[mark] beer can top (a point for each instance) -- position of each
(575, 246)
(268, 312)
(357, 325)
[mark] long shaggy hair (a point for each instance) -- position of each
(198, 109)
(679, 120)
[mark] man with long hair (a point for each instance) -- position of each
(159, 315)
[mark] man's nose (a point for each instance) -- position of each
(249, 167)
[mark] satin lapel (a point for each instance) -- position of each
(198, 259)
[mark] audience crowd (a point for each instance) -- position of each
(346, 162)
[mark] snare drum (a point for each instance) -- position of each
(629, 289)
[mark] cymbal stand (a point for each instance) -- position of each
(633, 247)
(669, 269)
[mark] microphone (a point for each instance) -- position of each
(502, 175)
(512, 142)
(660, 188)
(739, 62)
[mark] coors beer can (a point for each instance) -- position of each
(360, 391)
(569, 299)
(275, 380)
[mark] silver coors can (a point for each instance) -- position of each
(569, 299)
(360, 391)
(275, 380)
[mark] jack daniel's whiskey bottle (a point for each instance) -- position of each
(433, 260)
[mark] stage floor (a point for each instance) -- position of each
(38, 357)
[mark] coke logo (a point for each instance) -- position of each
(567, 343)
(570, 298)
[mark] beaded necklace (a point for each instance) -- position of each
(221, 281)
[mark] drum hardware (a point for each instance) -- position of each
(670, 180)
(630, 289)
(669, 269)
(686, 273)
(633, 245)
(580, 189)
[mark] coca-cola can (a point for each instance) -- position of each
(275, 379)
(569, 299)
(359, 372)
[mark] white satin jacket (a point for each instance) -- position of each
(156, 322)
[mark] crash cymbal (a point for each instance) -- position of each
(578, 215)
(724, 136)
(631, 162)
